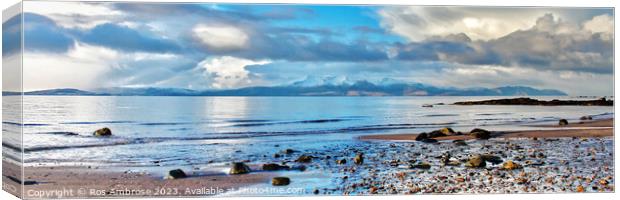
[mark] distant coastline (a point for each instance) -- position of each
(360, 88)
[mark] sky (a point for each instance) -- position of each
(224, 46)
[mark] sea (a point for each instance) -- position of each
(170, 132)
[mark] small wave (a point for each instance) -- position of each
(247, 120)
(27, 124)
(59, 133)
(322, 121)
(163, 123)
(100, 122)
(179, 129)
(490, 114)
(494, 119)
(441, 115)
(315, 121)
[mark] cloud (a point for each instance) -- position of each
(601, 24)
(417, 23)
(229, 72)
(42, 34)
(80, 67)
(75, 14)
(88, 66)
(550, 44)
(221, 37)
(126, 39)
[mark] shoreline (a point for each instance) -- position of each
(85, 182)
(594, 128)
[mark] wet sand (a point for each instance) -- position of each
(596, 128)
(77, 182)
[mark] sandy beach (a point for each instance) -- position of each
(596, 128)
(77, 182)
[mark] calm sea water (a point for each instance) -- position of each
(184, 131)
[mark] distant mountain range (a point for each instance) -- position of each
(313, 88)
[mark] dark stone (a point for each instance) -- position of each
(429, 140)
(239, 168)
(359, 159)
(274, 167)
(459, 143)
(475, 161)
(304, 159)
(176, 174)
(421, 136)
(288, 151)
(421, 165)
(492, 159)
(103, 132)
(280, 181)
(479, 133)
(563, 122)
(587, 117)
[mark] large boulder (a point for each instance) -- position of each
(563, 122)
(175, 174)
(280, 181)
(475, 161)
(103, 132)
(479, 133)
(239, 168)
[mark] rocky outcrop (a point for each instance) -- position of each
(239, 168)
(563, 122)
(535, 102)
(103, 132)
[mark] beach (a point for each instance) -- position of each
(598, 128)
(574, 158)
